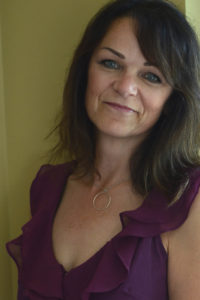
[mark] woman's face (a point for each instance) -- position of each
(125, 93)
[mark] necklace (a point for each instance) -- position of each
(105, 193)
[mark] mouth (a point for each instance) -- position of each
(120, 107)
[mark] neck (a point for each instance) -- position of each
(112, 159)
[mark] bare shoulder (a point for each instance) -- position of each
(184, 256)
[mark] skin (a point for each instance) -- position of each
(119, 74)
(124, 99)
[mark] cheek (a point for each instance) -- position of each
(156, 102)
(95, 88)
(98, 80)
(92, 92)
(157, 109)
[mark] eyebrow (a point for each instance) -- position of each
(114, 52)
(149, 64)
(120, 55)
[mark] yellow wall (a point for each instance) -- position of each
(5, 269)
(192, 8)
(180, 4)
(38, 38)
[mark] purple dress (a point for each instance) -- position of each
(131, 266)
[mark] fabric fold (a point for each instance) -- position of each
(42, 277)
(117, 256)
(154, 217)
(39, 273)
(151, 219)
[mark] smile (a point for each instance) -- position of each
(119, 107)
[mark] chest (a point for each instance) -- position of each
(79, 230)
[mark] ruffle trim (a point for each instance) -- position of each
(151, 219)
(117, 255)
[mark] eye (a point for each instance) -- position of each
(151, 77)
(110, 64)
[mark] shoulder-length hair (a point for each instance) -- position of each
(166, 40)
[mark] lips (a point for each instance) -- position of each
(120, 107)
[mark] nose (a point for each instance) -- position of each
(126, 86)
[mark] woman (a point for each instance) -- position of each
(121, 220)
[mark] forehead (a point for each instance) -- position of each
(121, 37)
(119, 30)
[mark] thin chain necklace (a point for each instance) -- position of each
(105, 192)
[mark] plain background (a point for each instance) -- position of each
(37, 39)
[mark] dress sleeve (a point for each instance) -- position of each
(36, 188)
(45, 189)
(14, 246)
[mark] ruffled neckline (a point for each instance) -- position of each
(152, 218)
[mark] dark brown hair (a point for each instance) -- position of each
(167, 40)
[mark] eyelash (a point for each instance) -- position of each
(113, 65)
(154, 78)
(110, 64)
